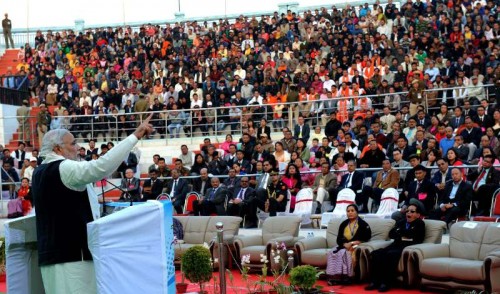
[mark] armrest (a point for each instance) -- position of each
(374, 245)
(427, 250)
(492, 262)
(245, 241)
(228, 239)
(311, 243)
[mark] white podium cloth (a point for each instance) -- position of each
(23, 273)
(133, 250)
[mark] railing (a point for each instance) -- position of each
(218, 120)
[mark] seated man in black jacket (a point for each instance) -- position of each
(213, 202)
(153, 186)
(242, 203)
(456, 198)
(406, 232)
(421, 190)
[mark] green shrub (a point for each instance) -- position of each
(303, 277)
(197, 265)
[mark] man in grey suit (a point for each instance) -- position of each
(324, 184)
(214, 201)
(131, 187)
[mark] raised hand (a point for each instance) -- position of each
(145, 128)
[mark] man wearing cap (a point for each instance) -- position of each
(274, 198)
(421, 189)
(415, 95)
(28, 172)
(23, 114)
(455, 199)
(267, 145)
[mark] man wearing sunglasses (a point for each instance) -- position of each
(406, 232)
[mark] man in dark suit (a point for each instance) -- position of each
(214, 201)
(352, 179)
(243, 204)
(448, 72)
(441, 177)
(152, 187)
(458, 119)
(456, 198)
(232, 182)
(302, 130)
(471, 134)
(177, 190)
(130, 187)
(131, 162)
(244, 164)
(484, 183)
(482, 119)
(259, 154)
(423, 119)
(420, 142)
(201, 184)
(420, 190)
(264, 129)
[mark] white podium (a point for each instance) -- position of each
(133, 250)
(23, 273)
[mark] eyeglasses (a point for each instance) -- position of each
(411, 211)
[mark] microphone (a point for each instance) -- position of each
(127, 193)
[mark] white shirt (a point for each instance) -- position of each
(79, 175)
(28, 172)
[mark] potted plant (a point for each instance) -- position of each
(182, 286)
(197, 266)
(278, 255)
(303, 278)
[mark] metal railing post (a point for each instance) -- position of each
(290, 259)
(222, 266)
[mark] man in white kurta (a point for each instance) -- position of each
(79, 276)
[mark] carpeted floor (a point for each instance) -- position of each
(238, 285)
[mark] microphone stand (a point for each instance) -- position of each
(114, 187)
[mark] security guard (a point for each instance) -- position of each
(276, 197)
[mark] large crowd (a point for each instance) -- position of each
(414, 83)
(411, 90)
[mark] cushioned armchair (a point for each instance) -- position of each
(313, 251)
(433, 234)
(274, 229)
(470, 261)
(201, 229)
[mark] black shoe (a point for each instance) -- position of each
(383, 288)
(332, 282)
(371, 287)
(318, 208)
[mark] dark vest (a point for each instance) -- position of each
(61, 232)
(20, 159)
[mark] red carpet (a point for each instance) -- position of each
(239, 285)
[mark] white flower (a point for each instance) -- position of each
(216, 260)
(277, 259)
(245, 259)
(263, 258)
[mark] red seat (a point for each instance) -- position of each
(494, 212)
(163, 196)
(191, 197)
